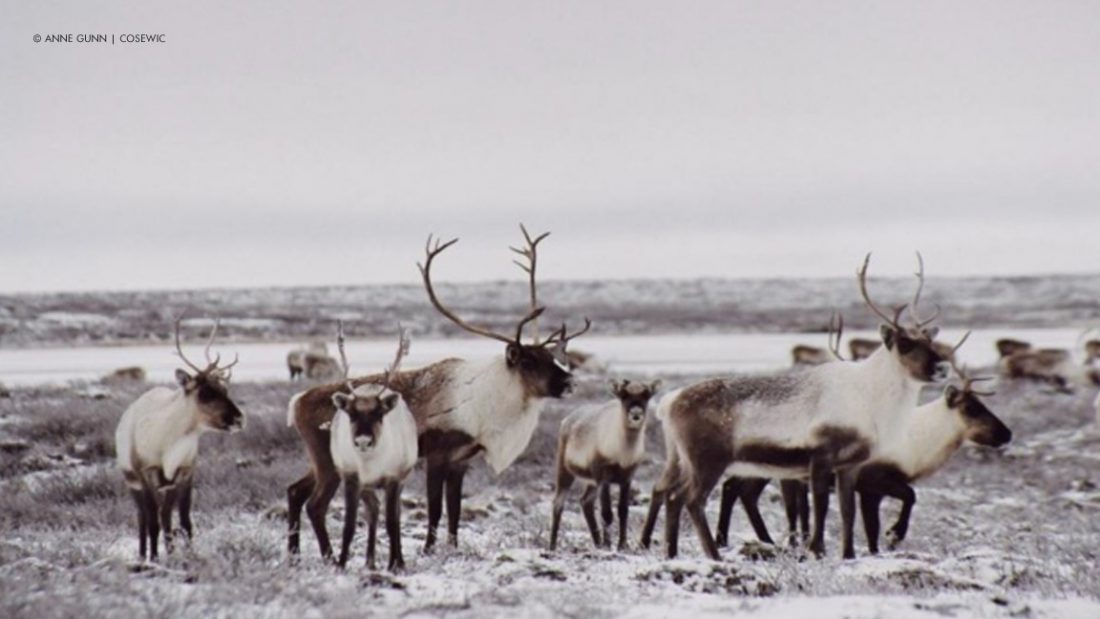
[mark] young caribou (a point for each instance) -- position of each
(602, 445)
(930, 435)
(157, 442)
(809, 424)
(462, 409)
(373, 445)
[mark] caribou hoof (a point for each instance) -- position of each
(894, 538)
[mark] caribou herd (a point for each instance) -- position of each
(853, 427)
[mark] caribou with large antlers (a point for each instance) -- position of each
(808, 424)
(157, 442)
(462, 408)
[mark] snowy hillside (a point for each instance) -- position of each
(620, 306)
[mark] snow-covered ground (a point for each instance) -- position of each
(1011, 533)
(626, 354)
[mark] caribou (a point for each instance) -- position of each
(927, 438)
(1007, 346)
(602, 445)
(157, 442)
(373, 445)
(810, 424)
(749, 488)
(808, 355)
(1055, 366)
(312, 362)
(462, 409)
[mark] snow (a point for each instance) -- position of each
(75, 319)
(623, 354)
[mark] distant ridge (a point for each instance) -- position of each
(616, 306)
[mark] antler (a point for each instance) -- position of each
(861, 274)
(968, 381)
(212, 364)
(179, 348)
(916, 297)
(533, 315)
(836, 321)
(343, 356)
(224, 371)
(561, 337)
(530, 252)
(210, 342)
(403, 344)
(425, 272)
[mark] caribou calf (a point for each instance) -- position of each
(157, 443)
(373, 444)
(930, 436)
(602, 445)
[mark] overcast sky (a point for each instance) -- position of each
(285, 143)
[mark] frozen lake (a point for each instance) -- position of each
(642, 354)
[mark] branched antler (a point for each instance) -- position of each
(561, 337)
(913, 309)
(426, 273)
(403, 344)
(861, 275)
(967, 380)
(530, 252)
(211, 368)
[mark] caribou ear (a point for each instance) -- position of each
(341, 401)
(388, 402)
(932, 332)
(184, 379)
(953, 396)
(887, 333)
(654, 386)
(512, 354)
(617, 386)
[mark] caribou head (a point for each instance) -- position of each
(982, 426)
(634, 398)
(208, 386)
(366, 405)
(912, 345)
